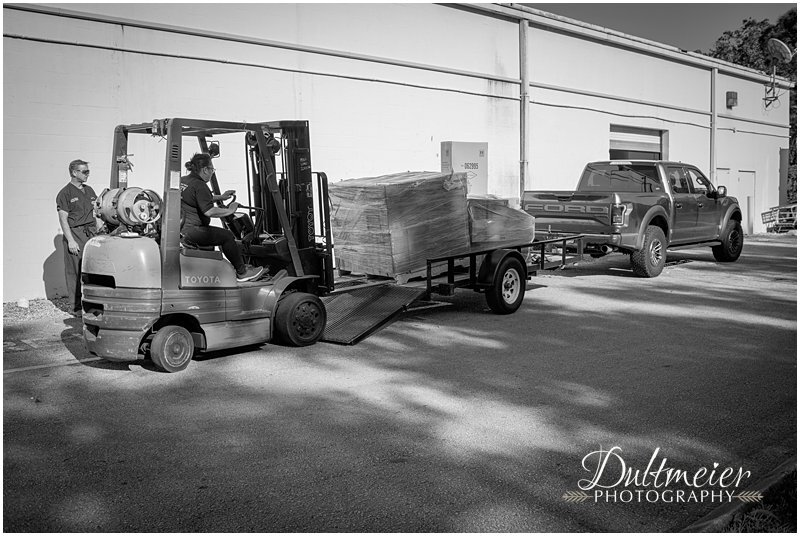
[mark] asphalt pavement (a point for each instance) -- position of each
(450, 419)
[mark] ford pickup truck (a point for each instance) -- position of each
(641, 208)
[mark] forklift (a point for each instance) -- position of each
(148, 292)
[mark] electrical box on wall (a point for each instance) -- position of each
(731, 99)
(471, 158)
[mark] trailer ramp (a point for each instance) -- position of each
(354, 314)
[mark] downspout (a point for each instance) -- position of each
(713, 156)
(524, 88)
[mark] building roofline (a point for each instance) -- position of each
(613, 37)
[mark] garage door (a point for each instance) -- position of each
(631, 143)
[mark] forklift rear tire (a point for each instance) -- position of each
(172, 348)
(300, 319)
(508, 288)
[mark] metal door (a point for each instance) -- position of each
(743, 188)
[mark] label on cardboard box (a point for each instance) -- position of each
(470, 158)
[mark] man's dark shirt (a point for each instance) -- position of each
(196, 199)
(78, 204)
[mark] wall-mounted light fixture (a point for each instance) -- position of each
(731, 99)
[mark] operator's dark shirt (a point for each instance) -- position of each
(195, 201)
(78, 204)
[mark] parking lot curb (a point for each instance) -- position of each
(721, 517)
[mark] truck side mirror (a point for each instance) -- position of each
(213, 149)
(721, 192)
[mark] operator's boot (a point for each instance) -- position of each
(249, 273)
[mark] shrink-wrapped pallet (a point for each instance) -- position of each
(494, 223)
(390, 225)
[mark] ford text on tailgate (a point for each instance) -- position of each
(640, 208)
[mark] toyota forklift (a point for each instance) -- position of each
(148, 292)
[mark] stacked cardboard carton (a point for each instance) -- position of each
(493, 223)
(390, 225)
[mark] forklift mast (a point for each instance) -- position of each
(287, 220)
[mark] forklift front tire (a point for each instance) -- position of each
(300, 319)
(172, 348)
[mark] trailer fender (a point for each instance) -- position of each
(491, 263)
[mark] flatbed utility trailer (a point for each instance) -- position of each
(499, 275)
(361, 306)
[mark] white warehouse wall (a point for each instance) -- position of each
(571, 61)
(750, 141)
(381, 87)
(578, 126)
(63, 102)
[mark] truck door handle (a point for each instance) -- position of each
(678, 205)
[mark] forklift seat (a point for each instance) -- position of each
(205, 252)
(197, 251)
(188, 244)
(190, 249)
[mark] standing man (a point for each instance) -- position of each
(75, 205)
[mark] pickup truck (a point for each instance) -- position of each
(641, 208)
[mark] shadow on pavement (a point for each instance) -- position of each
(441, 422)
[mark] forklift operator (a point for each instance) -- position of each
(197, 207)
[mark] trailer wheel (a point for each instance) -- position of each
(650, 260)
(300, 319)
(172, 348)
(732, 243)
(508, 288)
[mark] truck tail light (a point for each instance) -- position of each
(618, 213)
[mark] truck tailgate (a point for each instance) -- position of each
(570, 212)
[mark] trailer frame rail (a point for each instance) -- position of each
(540, 262)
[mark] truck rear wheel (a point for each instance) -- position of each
(172, 348)
(650, 260)
(508, 288)
(300, 319)
(732, 243)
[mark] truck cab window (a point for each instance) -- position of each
(678, 180)
(700, 184)
(620, 178)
